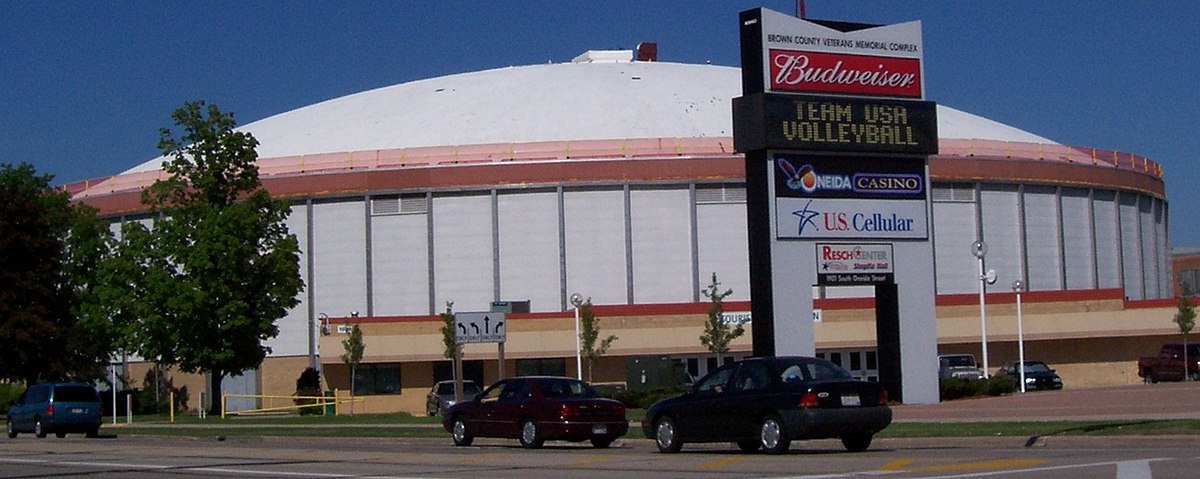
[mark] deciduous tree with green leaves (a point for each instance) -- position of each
(1186, 319)
(717, 333)
(589, 336)
(218, 267)
(354, 347)
(49, 252)
(450, 348)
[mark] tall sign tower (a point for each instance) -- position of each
(836, 137)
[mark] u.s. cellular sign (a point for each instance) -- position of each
(802, 56)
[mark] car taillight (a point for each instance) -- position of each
(50, 410)
(569, 411)
(883, 397)
(809, 399)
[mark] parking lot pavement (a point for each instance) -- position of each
(1139, 401)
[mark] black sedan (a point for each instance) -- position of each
(1037, 375)
(535, 409)
(765, 403)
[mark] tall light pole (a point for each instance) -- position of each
(979, 250)
(1017, 287)
(577, 301)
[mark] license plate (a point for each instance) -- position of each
(77, 410)
(600, 429)
(851, 401)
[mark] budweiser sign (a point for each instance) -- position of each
(816, 72)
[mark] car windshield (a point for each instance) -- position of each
(75, 394)
(469, 388)
(1036, 368)
(958, 361)
(792, 371)
(565, 388)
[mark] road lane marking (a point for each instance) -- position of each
(588, 462)
(897, 465)
(1134, 470)
(722, 462)
(222, 470)
(971, 466)
(477, 458)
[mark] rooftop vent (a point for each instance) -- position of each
(647, 52)
(604, 56)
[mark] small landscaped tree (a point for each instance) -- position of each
(450, 350)
(589, 335)
(354, 352)
(717, 333)
(1186, 319)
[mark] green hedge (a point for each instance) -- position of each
(9, 393)
(955, 388)
(640, 398)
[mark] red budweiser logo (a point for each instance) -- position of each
(840, 73)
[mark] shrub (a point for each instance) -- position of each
(9, 393)
(642, 398)
(999, 385)
(308, 384)
(957, 388)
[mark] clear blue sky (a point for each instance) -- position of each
(85, 86)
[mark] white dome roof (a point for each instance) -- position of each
(567, 101)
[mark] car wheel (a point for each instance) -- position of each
(60, 435)
(531, 435)
(772, 436)
(459, 433)
(94, 432)
(749, 446)
(12, 433)
(666, 437)
(38, 430)
(602, 442)
(857, 442)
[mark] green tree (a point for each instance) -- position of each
(1186, 319)
(450, 347)
(219, 265)
(717, 333)
(354, 348)
(589, 336)
(49, 251)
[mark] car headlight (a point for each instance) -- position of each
(1030, 380)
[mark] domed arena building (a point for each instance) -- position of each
(616, 179)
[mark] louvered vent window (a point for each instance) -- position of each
(954, 193)
(398, 205)
(710, 194)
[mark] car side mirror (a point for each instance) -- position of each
(689, 389)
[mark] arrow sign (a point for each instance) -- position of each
(468, 328)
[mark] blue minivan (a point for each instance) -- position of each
(58, 408)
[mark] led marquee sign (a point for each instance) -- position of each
(825, 123)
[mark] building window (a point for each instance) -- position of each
(542, 367)
(1189, 282)
(377, 378)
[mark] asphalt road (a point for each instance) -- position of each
(1053, 457)
(161, 457)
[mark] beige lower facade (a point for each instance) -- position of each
(1091, 338)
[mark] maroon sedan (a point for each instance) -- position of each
(534, 409)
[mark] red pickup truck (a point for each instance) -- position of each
(1168, 365)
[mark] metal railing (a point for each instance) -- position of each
(631, 148)
(268, 403)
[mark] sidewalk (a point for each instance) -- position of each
(1140, 401)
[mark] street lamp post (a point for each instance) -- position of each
(1017, 287)
(979, 250)
(577, 301)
